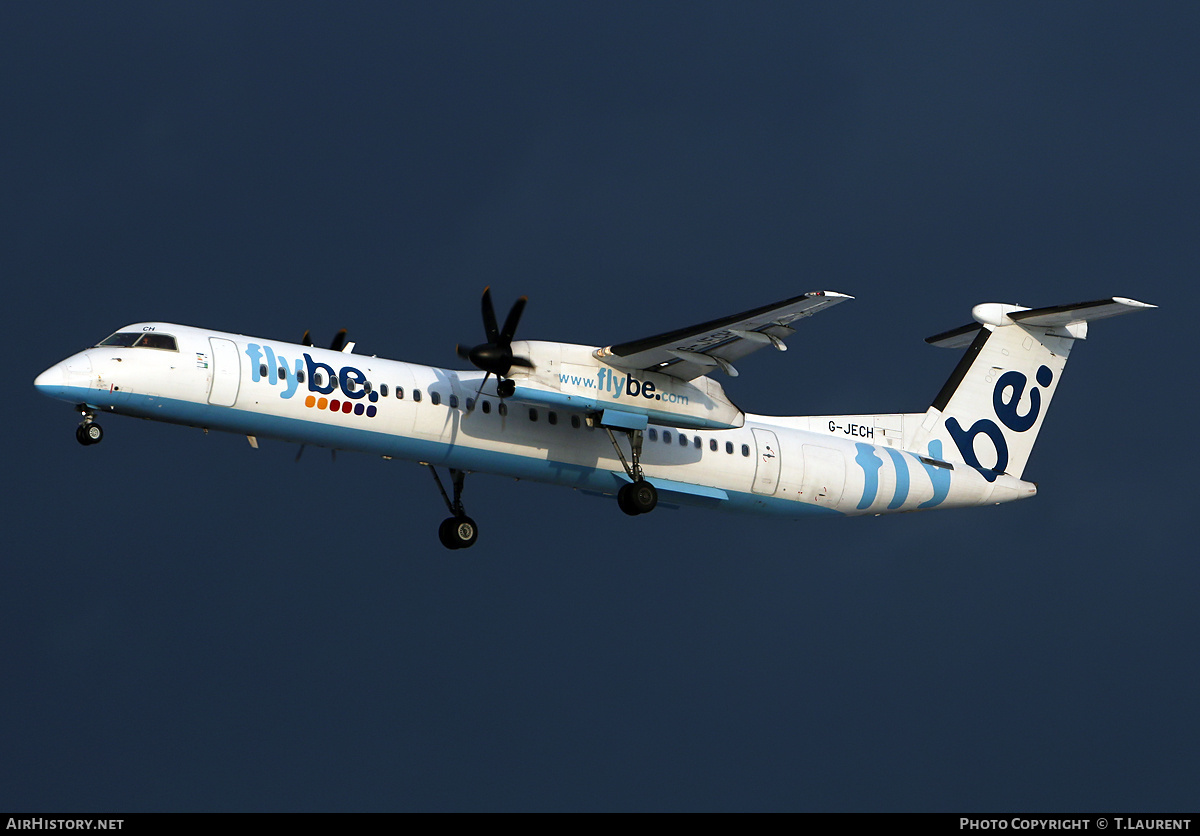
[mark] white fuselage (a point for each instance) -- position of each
(268, 389)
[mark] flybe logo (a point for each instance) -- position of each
(320, 378)
(617, 386)
(1006, 396)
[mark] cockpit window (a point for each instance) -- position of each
(135, 339)
(124, 339)
(156, 340)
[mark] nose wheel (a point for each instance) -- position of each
(88, 432)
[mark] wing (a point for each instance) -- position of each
(691, 352)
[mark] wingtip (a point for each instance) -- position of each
(1133, 303)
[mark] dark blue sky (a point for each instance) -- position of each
(190, 624)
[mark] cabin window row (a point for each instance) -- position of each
(486, 408)
(695, 441)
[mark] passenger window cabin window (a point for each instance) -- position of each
(746, 450)
(454, 401)
(367, 387)
(653, 434)
(262, 370)
(552, 417)
(575, 422)
(318, 379)
(383, 390)
(729, 447)
(503, 410)
(435, 398)
(532, 414)
(666, 436)
(697, 443)
(682, 440)
(470, 404)
(712, 444)
(417, 395)
(399, 393)
(300, 376)
(487, 407)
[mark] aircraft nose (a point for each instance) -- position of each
(58, 380)
(54, 377)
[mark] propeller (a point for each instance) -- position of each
(339, 340)
(495, 356)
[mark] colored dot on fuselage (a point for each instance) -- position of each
(310, 401)
(322, 403)
(371, 411)
(347, 406)
(334, 405)
(359, 409)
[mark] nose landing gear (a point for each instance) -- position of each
(88, 432)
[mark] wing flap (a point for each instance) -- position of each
(687, 353)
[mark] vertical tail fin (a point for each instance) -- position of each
(990, 410)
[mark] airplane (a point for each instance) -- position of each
(637, 420)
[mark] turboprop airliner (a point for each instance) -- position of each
(637, 420)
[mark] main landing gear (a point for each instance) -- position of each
(88, 432)
(459, 531)
(639, 496)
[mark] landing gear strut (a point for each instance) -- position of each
(638, 497)
(88, 432)
(459, 531)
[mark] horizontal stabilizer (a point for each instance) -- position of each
(1073, 317)
(957, 338)
(1079, 312)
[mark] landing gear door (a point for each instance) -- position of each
(766, 473)
(226, 373)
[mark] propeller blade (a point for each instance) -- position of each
(489, 317)
(306, 339)
(514, 317)
(339, 340)
(495, 356)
